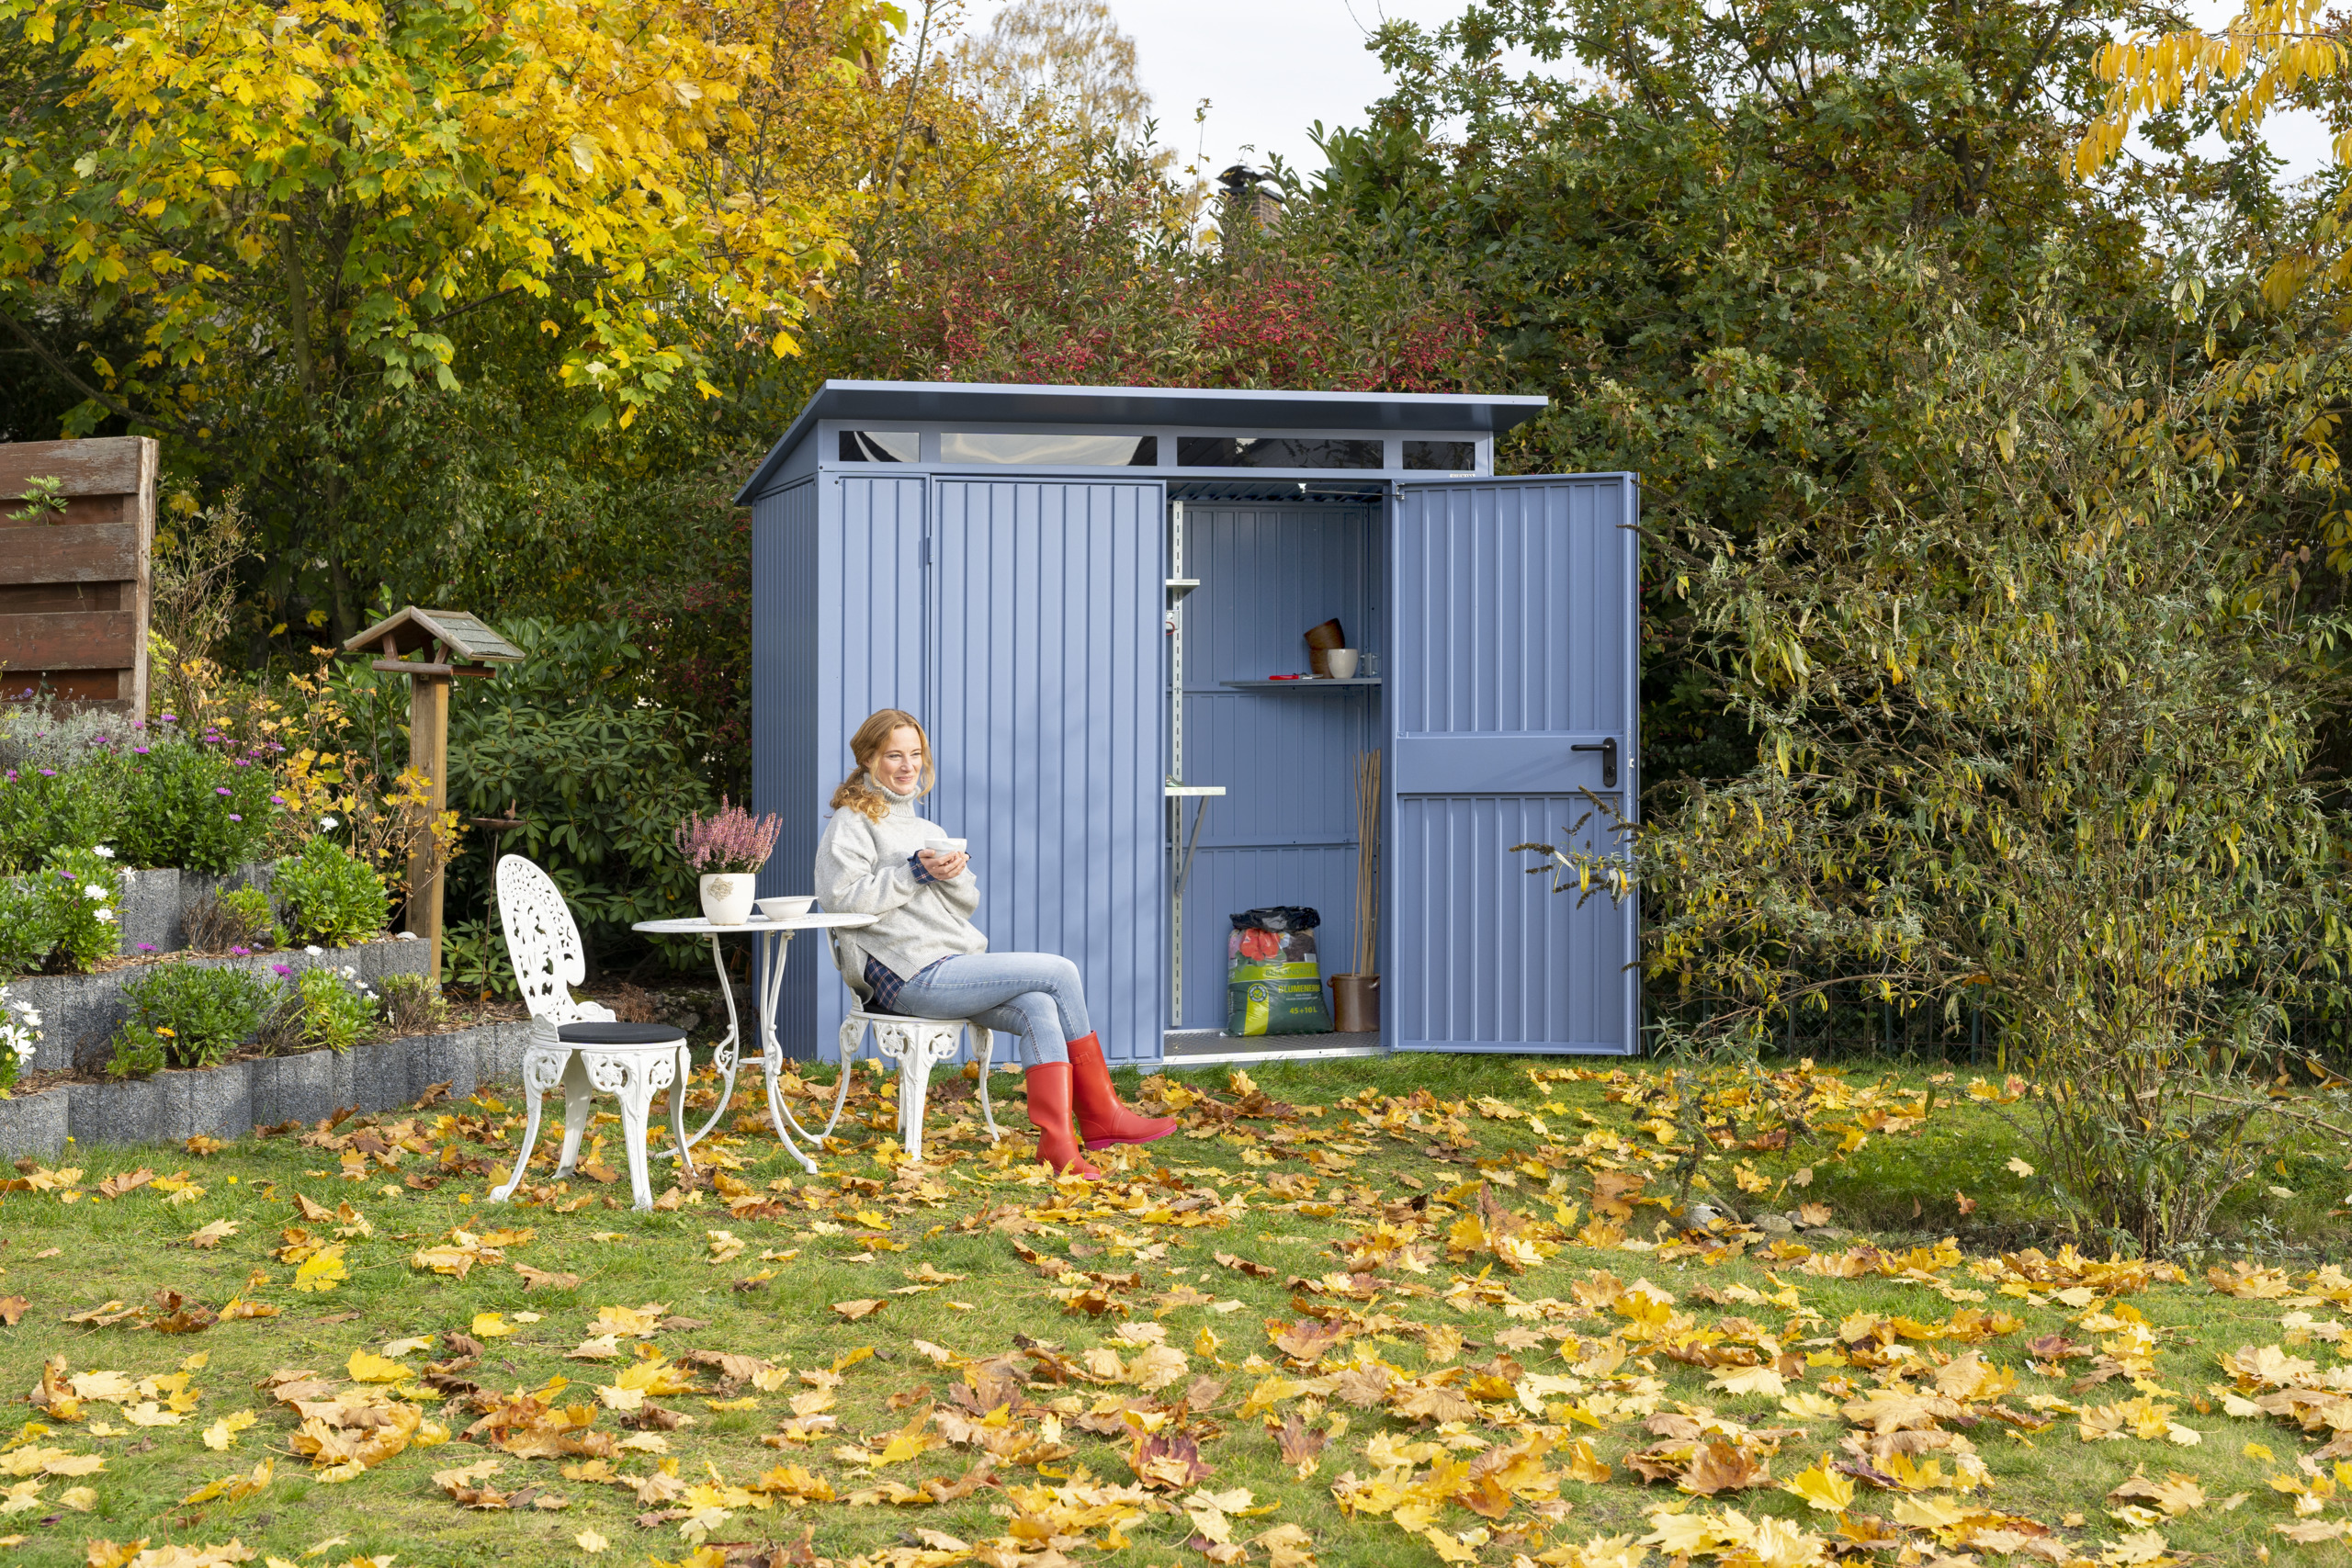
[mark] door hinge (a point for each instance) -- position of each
(926, 549)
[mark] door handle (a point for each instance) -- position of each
(1608, 749)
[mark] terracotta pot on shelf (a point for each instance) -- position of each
(1321, 641)
(1355, 1004)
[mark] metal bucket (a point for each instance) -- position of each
(1355, 1004)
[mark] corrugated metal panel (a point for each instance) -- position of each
(1046, 711)
(784, 727)
(1285, 830)
(867, 593)
(1513, 641)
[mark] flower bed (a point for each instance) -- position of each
(82, 1015)
(232, 1099)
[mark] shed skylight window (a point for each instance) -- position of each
(881, 447)
(1451, 457)
(1275, 452)
(1054, 451)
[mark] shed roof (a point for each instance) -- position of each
(1476, 413)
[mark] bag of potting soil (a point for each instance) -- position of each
(1273, 983)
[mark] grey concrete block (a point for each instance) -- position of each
(454, 1059)
(296, 1089)
(36, 1125)
(502, 1051)
(79, 1016)
(215, 1101)
(112, 1111)
(148, 912)
(379, 1075)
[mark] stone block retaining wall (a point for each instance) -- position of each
(231, 1100)
(80, 1013)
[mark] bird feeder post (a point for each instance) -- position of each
(455, 644)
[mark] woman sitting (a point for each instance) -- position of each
(924, 958)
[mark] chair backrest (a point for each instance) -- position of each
(542, 942)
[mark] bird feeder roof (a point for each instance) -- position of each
(464, 636)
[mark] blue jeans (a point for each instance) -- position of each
(1037, 995)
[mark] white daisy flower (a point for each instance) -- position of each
(94, 892)
(106, 916)
(103, 853)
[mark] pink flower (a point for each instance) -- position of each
(729, 840)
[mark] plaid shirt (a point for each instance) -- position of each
(880, 978)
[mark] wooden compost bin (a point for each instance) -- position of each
(73, 585)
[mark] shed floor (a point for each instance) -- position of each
(1214, 1047)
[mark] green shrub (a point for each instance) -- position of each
(337, 1009)
(43, 807)
(328, 896)
(197, 804)
(202, 1013)
(241, 917)
(136, 1055)
(28, 924)
(83, 890)
(413, 1004)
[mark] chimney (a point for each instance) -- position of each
(1246, 200)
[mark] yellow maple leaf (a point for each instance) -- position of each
(492, 1325)
(322, 1271)
(366, 1367)
(1822, 1488)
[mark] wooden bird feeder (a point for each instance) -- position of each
(453, 643)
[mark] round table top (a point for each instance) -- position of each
(696, 926)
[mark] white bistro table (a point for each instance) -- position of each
(771, 938)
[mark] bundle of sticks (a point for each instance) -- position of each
(1367, 862)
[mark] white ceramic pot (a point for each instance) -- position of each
(726, 899)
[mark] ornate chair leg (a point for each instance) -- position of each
(684, 1065)
(988, 1048)
(626, 1079)
(540, 1067)
(577, 1097)
(853, 1035)
(914, 1085)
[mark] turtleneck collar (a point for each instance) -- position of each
(893, 797)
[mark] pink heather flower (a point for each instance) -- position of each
(730, 839)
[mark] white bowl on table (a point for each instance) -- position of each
(784, 909)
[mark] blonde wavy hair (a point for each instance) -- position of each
(856, 792)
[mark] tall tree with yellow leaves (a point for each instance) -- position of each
(286, 212)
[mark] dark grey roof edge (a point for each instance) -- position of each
(1470, 412)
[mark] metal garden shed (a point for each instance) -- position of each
(1083, 591)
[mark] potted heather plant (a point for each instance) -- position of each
(728, 848)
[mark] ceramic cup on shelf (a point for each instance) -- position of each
(726, 898)
(784, 909)
(1343, 663)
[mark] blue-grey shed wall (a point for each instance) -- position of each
(784, 732)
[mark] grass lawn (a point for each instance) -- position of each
(1396, 1312)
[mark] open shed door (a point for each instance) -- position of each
(1512, 687)
(1046, 627)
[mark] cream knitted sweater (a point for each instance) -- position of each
(862, 868)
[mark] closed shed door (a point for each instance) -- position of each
(1046, 708)
(1513, 663)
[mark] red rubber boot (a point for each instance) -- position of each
(1049, 1113)
(1101, 1120)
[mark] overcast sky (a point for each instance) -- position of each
(1270, 68)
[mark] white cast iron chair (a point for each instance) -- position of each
(917, 1044)
(577, 1045)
